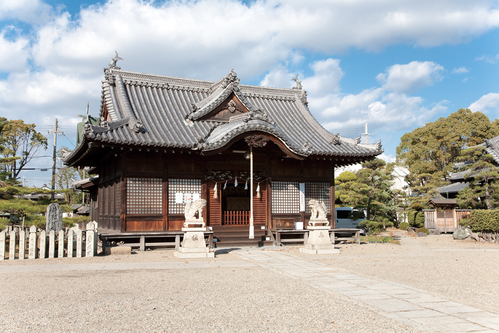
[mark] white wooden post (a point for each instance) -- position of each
(3, 245)
(70, 243)
(43, 244)
(22, 244)
(90, 235)
(51, 244)
(60, 248)
(12, 245)
(79, 240)
(32, 243)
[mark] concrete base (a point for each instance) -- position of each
(123, 250)
(318, 241)
(193, 245)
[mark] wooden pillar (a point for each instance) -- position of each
(123, 204)
(332, 199)
(269, 204)
(205, 195)
(454, 217)
(123, 191)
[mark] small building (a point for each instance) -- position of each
(162, 142)
(444, 216)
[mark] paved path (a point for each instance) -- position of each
(406, 304)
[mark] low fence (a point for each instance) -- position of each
(32, 244)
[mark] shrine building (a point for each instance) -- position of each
(163, 141)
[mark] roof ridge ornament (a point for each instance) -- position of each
(231, 78)
(112, 64)
(335, 139)
(298, 83)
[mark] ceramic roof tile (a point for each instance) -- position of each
(153, 110)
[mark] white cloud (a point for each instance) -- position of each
(326, 79)
(387, 158)
(410, 77)
(381, 110)
(29, 11)
(460, 70)
(486, 103)
(13, 54)
(278, 77)
(488, 58)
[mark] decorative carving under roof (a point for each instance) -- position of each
(256, 141)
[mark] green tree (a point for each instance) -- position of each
(19, 142)
(378, 180)
(483, 177)
(369, 189)
(349, 193)
(430, 151)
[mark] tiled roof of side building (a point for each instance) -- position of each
(161, 111)
(493, 148)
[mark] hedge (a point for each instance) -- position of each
(482, 220)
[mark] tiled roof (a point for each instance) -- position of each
(167, 112)
(492, 147)
(452, 188)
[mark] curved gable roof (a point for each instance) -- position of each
(161, 111)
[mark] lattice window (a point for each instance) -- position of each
(285, 198)
(317, 191)
(144, 196)
(182, 191)
(105, 190)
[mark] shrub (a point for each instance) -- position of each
(415, 218)
(374, 227)
(403, 226)
(423, 229)
(417, 206)
(419, 221)
(483, 220)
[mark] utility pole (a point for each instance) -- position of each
(366, 134)
(54, 157)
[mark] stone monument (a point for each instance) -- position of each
(318, 241)
(193, 245)
(54, 218)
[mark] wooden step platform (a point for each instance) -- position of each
(238, 236)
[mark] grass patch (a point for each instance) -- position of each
(379, 239)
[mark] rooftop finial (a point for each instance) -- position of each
(112, 64)
(298, 82)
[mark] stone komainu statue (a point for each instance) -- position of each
(318, 210)
(193, 212)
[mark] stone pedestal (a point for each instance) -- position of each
(193, 245)
(318, 241)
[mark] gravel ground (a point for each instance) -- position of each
(463, 271)
(241, 299)
(250, 299)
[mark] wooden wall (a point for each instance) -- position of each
(118, 166)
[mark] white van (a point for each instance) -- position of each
(344, 217)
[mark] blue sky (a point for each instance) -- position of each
(394, 64)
